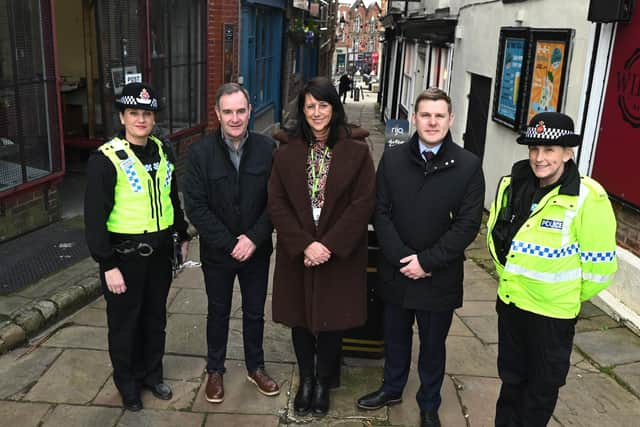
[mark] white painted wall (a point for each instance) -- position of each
(477, 53)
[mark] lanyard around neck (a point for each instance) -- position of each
(316, 175)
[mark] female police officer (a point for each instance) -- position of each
(131, 209)
(552, 237)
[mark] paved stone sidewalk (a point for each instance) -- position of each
(66, 380)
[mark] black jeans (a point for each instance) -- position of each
(137, 320)
(433, 327)
(533, 362)
(317, 355)
(253, 276)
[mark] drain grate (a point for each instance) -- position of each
(31, 257)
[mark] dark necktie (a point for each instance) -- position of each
(428, 155)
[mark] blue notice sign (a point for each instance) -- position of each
(511, 71)
(396, 132)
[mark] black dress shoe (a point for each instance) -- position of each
(378, 399)
(320, 399)
(132, 403)
(160, 390)
(302, 401)
(429, 419)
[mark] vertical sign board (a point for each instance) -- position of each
(618, 148)
(549, 57)
(396, 132)
(227, 52)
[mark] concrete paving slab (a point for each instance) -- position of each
(242, 397)
(238, 420)
(630, 375)
(189, 278)
(189, 301)
(480, 290)
(82, 416)
(596, 400)
(596, 323)
(89, 337)
(11, 303)
(171, 296)
(458, 328)
(468, 356)
(478, 396)
(354, 382)
(23, 414)
(183, 368)
(75, 377)
(485, 327)
(611, 347)
(90, 317)
(477, 308)
(588, 309)
(100, 303)
(186, 334)
(154, 418)
(19, 374)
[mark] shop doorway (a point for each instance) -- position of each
(477, 115)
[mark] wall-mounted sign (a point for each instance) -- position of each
(301, 4)
(616, 156)
(531, 74)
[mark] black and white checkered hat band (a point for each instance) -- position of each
(131, 100)
(548, 133)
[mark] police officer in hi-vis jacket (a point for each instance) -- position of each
(131, 210)
(551, 233)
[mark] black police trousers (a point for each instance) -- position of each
(533, 362)
(137, 320)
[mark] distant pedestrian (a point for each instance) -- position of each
(226, 200)
(131, 209)
(321, 196)
(551, 233)
(429, 196)
(344, 87)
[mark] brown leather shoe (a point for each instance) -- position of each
(214, 392)
(266, 385)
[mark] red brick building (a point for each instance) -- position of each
(358, 29)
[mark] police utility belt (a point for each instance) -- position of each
(142, 245)
(131, 247)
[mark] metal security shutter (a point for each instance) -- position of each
(121, 32)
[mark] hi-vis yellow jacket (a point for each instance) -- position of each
(141, 204)
(562, 255)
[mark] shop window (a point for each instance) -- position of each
(177, 48)
(29, 131)
(263, 93)
(407, 77)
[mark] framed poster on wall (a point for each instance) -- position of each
(550, 53)
(512, 64)
(531, 73)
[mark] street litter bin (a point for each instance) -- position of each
(367, 340)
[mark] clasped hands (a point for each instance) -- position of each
(244, 249)
(315, 254)
(412, 268)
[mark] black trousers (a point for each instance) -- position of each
(253, 277)
(433, 327)
(317, 355)
(533, 362)
(137, 320)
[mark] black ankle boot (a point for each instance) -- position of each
(320, 400)
(302, 401)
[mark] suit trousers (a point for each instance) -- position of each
(533, 363)
(433, 327)
(253, 277)
(137, 319)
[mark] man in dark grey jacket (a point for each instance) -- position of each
(429, 200)
(226, 200)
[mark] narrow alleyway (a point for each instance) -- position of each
(66, 380)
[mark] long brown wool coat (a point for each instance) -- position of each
(331, 296)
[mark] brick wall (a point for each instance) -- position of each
(28, 210)
(219, 12)
(628, 232)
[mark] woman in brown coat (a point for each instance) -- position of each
(321, 196)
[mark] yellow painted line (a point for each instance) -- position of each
(358, 341)
(370, 350)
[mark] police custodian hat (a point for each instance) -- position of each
(139, 96)
(550, 128)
